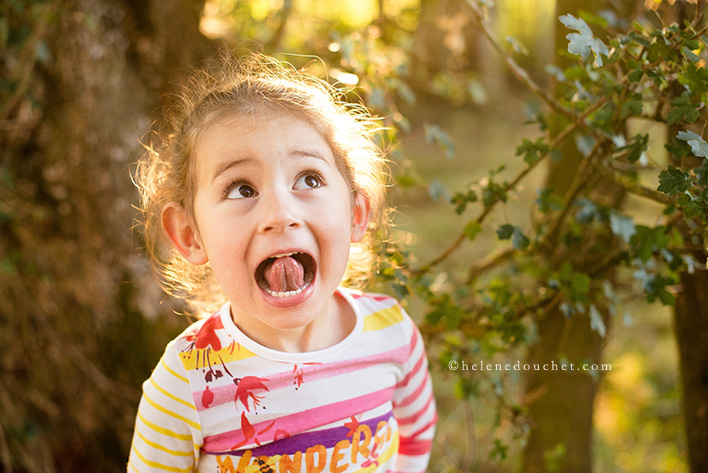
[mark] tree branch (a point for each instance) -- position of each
(488, 263)
(515, 68)
(570, 196)
(511, 185)
(277, 37)
(636, 188)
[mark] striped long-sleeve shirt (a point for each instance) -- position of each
(220, 402)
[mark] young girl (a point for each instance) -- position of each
(264, 193)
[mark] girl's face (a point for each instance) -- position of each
(274, 218)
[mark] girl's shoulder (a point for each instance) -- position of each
(207, 332)
(368, 298)
(379, 311)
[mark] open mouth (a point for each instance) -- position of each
(286, 274)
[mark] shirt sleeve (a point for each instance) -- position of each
(167, 435)
(414, 409)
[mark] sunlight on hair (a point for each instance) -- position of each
(248, 86)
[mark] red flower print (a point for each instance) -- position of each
(246, 387)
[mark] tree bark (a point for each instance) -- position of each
(691, 327)
(71, 276)
(689, 317)
(560, 403)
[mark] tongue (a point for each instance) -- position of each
(285, 274)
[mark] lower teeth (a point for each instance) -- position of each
(285, 294)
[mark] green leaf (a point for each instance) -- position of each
(445, 310)
(583, 42)
(683, 110)
(472, 229)
(635, 76)
(492, 193)
(647, 240)
(593, 19)
(461, 200)
(674, 180)
(698, 146)
(505, 231)
(516, 46)
(589, 211)
(531, 150)
(622, 226)
(518, 239)
(695, 78)
(437, 190)
(655, 286)
(499, 451)
(596, 322)
(642, 41)
(400, 290)
(435, 134)
(636, 147)
(548, 200)
(693, 57)
(692, 209)
(580, 283)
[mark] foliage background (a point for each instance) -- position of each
(82, 82)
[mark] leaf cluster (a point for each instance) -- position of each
(568, 258)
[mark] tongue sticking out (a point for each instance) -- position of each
(285, 274)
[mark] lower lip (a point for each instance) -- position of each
(291, 301)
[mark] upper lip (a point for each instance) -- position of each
(287, 251)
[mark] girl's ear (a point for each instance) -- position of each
(182, 233)
(361, 211)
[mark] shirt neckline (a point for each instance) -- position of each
(297, 357)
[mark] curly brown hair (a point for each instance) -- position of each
(247, 86)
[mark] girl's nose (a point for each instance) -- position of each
(279, 213)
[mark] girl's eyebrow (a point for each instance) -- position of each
(297, 153)
(305, 153)
(229, 165)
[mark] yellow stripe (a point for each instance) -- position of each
(162, 430)
(133, 467)
(174, 373)
(170, 413)
(153, 464)
(382, 319)
(176, 453)
(172, 396)
(190, 357)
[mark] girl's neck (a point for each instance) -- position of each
(325, 330)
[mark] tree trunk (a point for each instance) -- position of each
(560, 403)
(691, 321)
(444, 40)
(691, 326)
(86, 77)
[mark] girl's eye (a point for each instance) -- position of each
(310, 180)
(240, 191)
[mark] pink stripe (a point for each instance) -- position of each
(412, 373)
(414, 395)
(311, 372)
(376, 297)
(412, 418)
(415, 338)
(298, 422)
(426, 426)
(418, 447)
